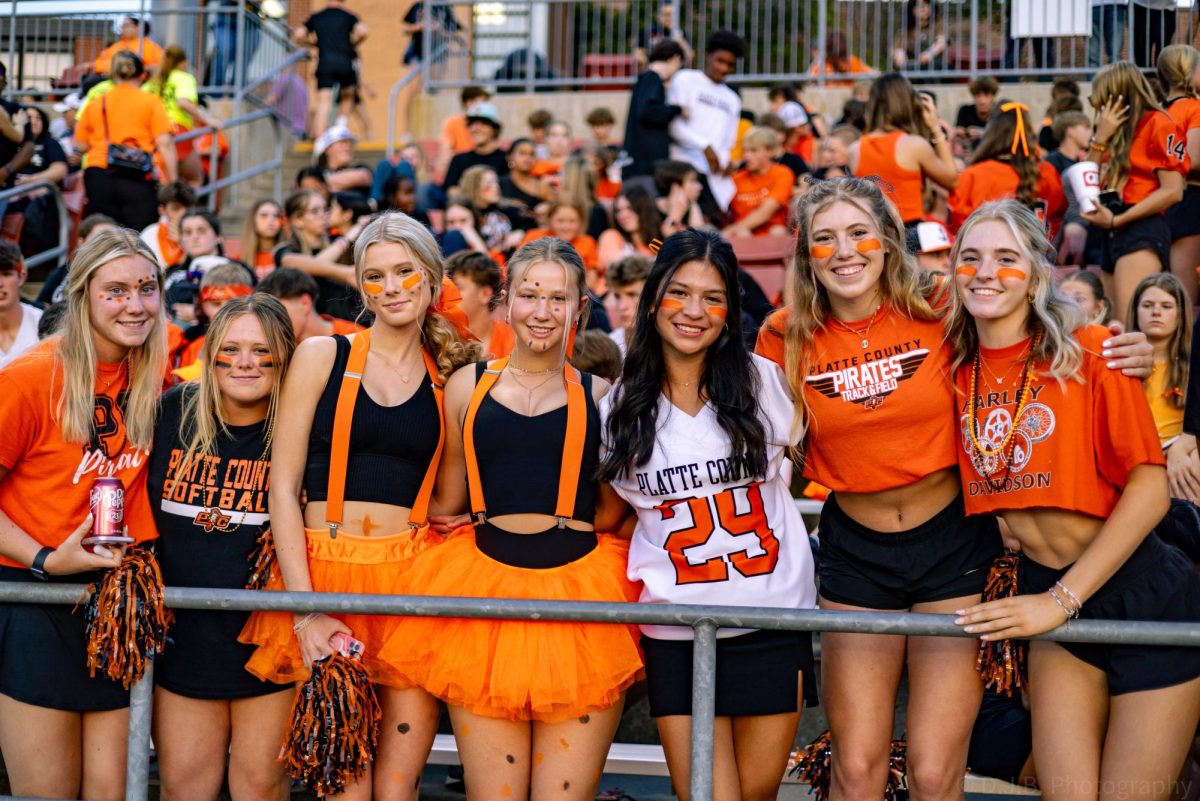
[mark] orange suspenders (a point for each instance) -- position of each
(339, 452)
(572, 457)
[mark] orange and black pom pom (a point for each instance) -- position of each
(1001, 663)
(897, 771)
(262, 561)
(811, 765)
(126, 618)
(334, 729)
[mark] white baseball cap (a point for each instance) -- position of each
(334, 133)
(932, 237)
(793, 114)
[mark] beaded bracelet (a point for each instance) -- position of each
(1071, 613)
(1070, 595)
(304, 621)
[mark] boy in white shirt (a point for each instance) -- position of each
(18, 321)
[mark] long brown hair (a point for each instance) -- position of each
(1122, 79)
(172, 57)
(894, 104)
(252, 243)
(1179, 347)
(1000, 143)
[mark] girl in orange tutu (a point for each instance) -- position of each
(534, 704)
(363, 446)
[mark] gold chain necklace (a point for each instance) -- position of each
(224, 527)
(392, 367)
(530, 390)
(866, 332)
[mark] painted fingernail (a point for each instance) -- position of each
(960, 620)
(968, 629)
(1106, 352)
(1112, 365)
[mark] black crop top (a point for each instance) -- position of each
(520, 457)
(390, 446)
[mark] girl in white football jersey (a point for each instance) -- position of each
(695, 434)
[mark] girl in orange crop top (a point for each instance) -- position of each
(898, 148)
(532, 704)
(1066, 452)
(862, 346)
(80, 406)
(1177, 67)
(358, 532)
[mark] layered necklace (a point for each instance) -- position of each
(1003, 450)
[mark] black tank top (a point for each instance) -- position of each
(520, 458)
(390, 446)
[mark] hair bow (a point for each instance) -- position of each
(226, 293)
(1019, 133)
(654, 246)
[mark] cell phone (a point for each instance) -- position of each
(346, 645)
(1111, 201)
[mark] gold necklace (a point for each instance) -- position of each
(523, 371)
(530, 390)
(122, 369)
(866, 332)
(392, 367)
(1001, 381)
(220, 522)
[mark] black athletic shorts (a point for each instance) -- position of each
(1184, 217)
(342, 78)
(1148, 233)
(1002, 738)
(756, 674)
(947, 556)
(1156, 583)
(43, 657)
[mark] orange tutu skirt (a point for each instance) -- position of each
(349, 563)
(517, 669)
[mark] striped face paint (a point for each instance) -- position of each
(1011, 273)
(266, 364)
(412, 280)
(224, 364)
(966, 271)
(868, 245)
(821, 251)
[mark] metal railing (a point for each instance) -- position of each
(541, 44)
(415, 74)
(703, 619)
(60, 250)
(209, 191)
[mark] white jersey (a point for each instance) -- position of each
(706, 535)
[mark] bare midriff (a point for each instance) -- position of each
(903, 508)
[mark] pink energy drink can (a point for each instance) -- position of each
(107, 504)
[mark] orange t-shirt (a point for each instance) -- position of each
(151, 54)
(172, 251)
(751, 190)
(264, 264)
(502, 341)
(877, 156)
(606, 189)
(340, 326)
(1185, 111)
(49, 481)
(454, 131)
(878, 414)
(995, 180)
(1158, 144)
(583, 244)
(134, 117)
(854, 66)
(1076, 442)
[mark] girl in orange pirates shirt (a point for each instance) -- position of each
(364, 446)
(80, 406)
(861, 344)
(1066, 452)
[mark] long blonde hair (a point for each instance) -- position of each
(903, 285)
(202, 420)
(1179, 348)
(440, 337)
(75, 350)
(1053, 315)
(1122, 79)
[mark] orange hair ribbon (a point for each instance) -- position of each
(227, 292)
(448, 307)
(1019, 134)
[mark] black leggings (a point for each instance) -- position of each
(132, 202)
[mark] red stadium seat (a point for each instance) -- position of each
(766, 259)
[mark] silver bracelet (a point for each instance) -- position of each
(1071, 613)
(304, 621)
(1072, 597)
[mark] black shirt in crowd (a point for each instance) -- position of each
(497, 160)
(968, 117)
(337, 299)
(646, 138)
(9, 148)
(794, 162)
(510, 190)
(498, 221)
(333, 27)
(197, 509)
(442, 15)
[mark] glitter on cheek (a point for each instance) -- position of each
(821, 251)
(966, 271)
(868, 245)
(373, 289)
(1011, 272)
(412, 280)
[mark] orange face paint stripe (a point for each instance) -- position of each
(223, 363)
(670, 304)
(412, 280)
(966, 270)
(1011, 272)
(719, 312)
(868, 245)
(821, 251)
(373, 289)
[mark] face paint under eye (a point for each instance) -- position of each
(719, 312)
(821, 251)
(1010, 272)
(223, 363)
(373, 289)
(671, 304)
(966, 270)
(266, 364)
(868, 245)
(412, 280)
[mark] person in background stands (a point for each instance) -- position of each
(558, 149)
(679, 189)
(1178, 71)
(176, 88)
(764, 188)
(597, 354)
(646, 138)
(1077, 243)
(163, 237)
(839, 61)
(625, 278)
(601, 121)
(336, 33)
(662, 29)
(16, 144)
(538, 121)
(483, 122)
(480, 281)
(298, 292)
(1086, 289)
(334, 152)
(18, 321)
(134, 37)
(930, 242)
(973, 117)
(521, 185)
(456, 135)
(261, 234)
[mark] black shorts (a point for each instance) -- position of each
(1148, 233)
(947, 556)
(43, 657)
(1002, 738)
(1184, 217)
(204, 660)
(756, 674)
(342, 78)
(1156, 583)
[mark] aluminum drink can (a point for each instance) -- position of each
(107, 504)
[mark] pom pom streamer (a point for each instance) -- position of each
(126, 619)
(262, 561)
(334, 728)
(812, 765)
(1001, 663)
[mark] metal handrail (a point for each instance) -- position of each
(301, 54)
(64, 220)
(210, 189)
(409, 77)
(704, 620)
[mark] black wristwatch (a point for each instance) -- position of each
(38, 568)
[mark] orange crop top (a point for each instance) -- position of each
(878, 414)
(994, 180)
(877, 156)
(1076, 442)
(1158, 144)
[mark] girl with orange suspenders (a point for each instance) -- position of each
(534, 705)
(364, 447)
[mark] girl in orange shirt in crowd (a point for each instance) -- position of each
(1179, 75)
(1065, 451)
(1145, 160)
(901, 148)
(80, 406)
(861, 344)
(558, 142)
(261, 235)
(1006, 163)
(564, 219)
